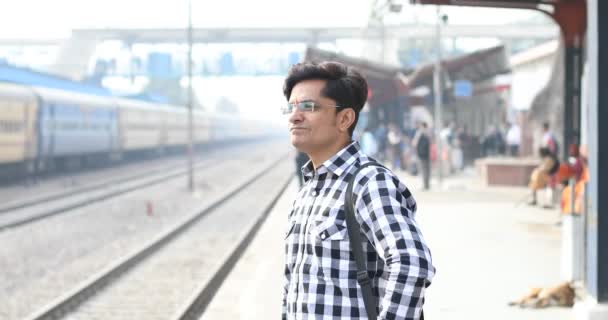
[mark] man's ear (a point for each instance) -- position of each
(346, 118)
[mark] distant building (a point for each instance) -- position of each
(537, 82)
(531, 70)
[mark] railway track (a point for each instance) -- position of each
(10, 205)
(32, 210)
(175, 275)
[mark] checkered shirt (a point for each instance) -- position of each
(320, 269)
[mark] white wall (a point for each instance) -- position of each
(528, 79)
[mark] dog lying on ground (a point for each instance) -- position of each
(560, 295)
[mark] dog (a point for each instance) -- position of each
(560, 295)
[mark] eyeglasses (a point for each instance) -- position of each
(304, 106)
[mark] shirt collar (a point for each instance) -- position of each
(337, 164)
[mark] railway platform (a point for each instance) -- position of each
(488, 247)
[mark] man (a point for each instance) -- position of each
(324, 101)
(422, 143)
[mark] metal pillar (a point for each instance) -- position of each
(572, 95)
(438, 90)
(597, 219)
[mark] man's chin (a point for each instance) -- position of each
(298, 144)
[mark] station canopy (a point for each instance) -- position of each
(385, 82)
(475, 67)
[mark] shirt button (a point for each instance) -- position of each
(314, 193)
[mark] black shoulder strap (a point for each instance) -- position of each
(356, 246)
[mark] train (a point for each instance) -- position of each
(43, 128)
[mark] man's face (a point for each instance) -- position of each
(312, 131)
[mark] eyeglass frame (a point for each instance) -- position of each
(290, 106)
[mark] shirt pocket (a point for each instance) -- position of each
(332, 246)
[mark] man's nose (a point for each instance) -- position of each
(296, 116)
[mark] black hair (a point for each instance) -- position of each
(544, 151)
(344, 84)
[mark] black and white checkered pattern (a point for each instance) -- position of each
(320, 270)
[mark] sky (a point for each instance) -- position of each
(53, 19)
(41, 19)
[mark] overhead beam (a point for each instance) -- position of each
(308, 35)
(299, 35)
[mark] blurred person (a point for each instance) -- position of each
(470, 144)
(487, 144)
(301, 159)
(447, 136)
(463, 134)
(324, 101)
(501, 144)
(422, 144)
(456, 157)
(380, 135)
(463, 138)
(368, 143)
(501, 140)
(548, 140)
(541, 177)
(493, 143)
(406, 152)
(514, 139)
(394, 143)
(575, 169)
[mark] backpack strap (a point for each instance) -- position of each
(354, 235)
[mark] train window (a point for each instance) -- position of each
(11, 126)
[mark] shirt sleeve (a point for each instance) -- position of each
(287, 270)
(286, 278)
(386, 209)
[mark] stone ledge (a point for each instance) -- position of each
(505, 171)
